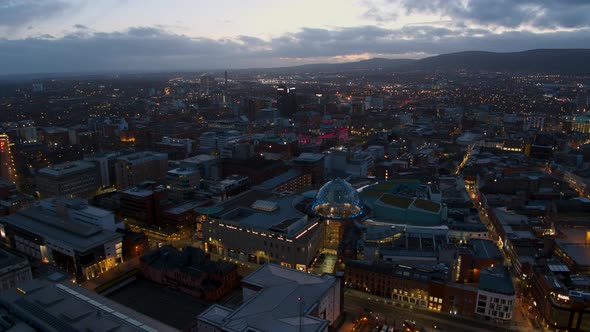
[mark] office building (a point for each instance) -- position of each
(495, 295)
(138, 167)
(286, 101)
(311, 163)
(77, 210)
(105, 163)
(12, 200)
(176, 148)
(7, 170)
(73, 179)
(57, 305)
(260, 227)
(279, 299)
(15, 270)
(220, 141)
(143, 204)
(291, 181)
(182, 183)
(227, 188)
(208, 166)
(79, 248)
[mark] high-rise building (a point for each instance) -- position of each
(310, 163)
(73, 179)
(138, 167)
(7, 171)
(183, 183)
(143, 205)
(582, 101)
(286, 101)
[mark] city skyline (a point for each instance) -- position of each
(77, 36)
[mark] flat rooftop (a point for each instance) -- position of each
(7, 258)
(64, 306)
(140, 157)
(496, 281)
(201, 158)
(66, 169)
(79, 236)
(278, 180)
(486, 249)
(309, 157)
(242, 210)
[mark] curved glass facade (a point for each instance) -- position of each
(337, 199)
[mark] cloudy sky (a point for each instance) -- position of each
(39, 36)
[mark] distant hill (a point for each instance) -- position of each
(558, 61)
(363, 65)
(562, 61)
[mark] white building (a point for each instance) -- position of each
(495, 295)
(78, 210)
(219, 141)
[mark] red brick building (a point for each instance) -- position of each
(190, 271)
(414, 286)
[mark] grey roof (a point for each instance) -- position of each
(141, 157)
(310, 157)
(276, 307)
(377, 232)
(278, 180)
(7, 258)
(486, 249)
(239, 210)
(496, 281)
(580, 254)
(80, 237)
(66, 169)
(67, 307)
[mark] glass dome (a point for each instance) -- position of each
(337, 199)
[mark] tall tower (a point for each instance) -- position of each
(286, 101)
(225, 89)
(7, 171)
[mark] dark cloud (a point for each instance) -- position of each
(153, 48)
(80, 26)
(545, 14)
(22, 12)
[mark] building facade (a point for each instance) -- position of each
(260, 227)
(7, 170)
(82, 249)
(138, 167)
(14, 270)
(191, 271)
(73, 179)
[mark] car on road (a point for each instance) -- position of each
(410, 326)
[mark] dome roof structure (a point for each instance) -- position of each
(337, 199)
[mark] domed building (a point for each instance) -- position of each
(338, 204)
(337, 199)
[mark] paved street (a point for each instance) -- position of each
(357, 303)
(520, 314)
